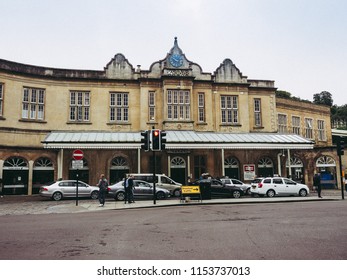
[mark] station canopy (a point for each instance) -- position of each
(176, 139)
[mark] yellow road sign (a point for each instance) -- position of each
(190, 189)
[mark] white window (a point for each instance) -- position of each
(119, 107)
(151, 106)
(33, 104)
(201, 106)
(80, 106)
(229, 109)
(309, 128)
(1, 99)
(257, 112)
(282, 123)
(178, 105)
(296, 125)
(321, 130)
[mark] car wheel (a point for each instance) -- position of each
(236, 194)
(270, 193)
(120, 196)
(94, 195)
(248, 191)
(302, 192)
(160, 195)
(57, 196)
(177, 193)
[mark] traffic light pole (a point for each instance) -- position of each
(154, 189)
(342, 185)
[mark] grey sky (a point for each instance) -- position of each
(300, 44)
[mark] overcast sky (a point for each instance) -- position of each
(300, 44)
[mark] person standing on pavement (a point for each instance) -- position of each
(130, 189)
(317, 184)
(103, 184)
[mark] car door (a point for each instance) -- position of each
(68, 188)
(218, 189)
(83, 189)
(143, 189)
(279, 186)
(291, 187)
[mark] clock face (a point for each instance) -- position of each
(176, 60)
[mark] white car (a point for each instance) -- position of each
(273, 186)
(67, 188)
(245, 187)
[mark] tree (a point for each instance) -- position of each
(323, 98)
(283, 94)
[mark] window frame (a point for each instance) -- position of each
(229, 109)
(119, 107)
(257, 112)
(322, 135)
(33, 104)
(79, 106)
(309, 128)
(201, 107)
(178, 105)
(296, 128)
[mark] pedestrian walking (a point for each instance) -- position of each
(103, 184)
(317, 184)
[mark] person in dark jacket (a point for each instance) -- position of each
(317, 184)
(130, 189)
(103, 185)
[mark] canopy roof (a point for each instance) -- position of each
(176, 140)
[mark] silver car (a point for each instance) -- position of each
(230, 181)
(142, 189)
(67, 188)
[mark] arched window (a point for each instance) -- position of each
(265, 167)
(231, 168)
(119, 168)
(16, 163)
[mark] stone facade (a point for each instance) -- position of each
(174, 94)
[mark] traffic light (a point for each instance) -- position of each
(145, 140)
(162, 139)
(340, 147)
(156, 145)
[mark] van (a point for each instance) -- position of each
(162, 181)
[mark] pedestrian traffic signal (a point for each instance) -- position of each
(340, 147)
(156, 145)
(162, 139)
(145, 140)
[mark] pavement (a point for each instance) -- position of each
(35, 204)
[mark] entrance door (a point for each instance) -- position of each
(15, 176)
(178, 170)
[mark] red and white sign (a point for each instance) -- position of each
(248, 171)
(77, 155)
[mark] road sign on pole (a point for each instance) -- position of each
(77, 155)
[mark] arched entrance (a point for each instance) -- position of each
(43, 173)
(15, 176)
(231, 168)
(265, 167)
(327, 168)
(178, 170)
(83, 174)
(297, 169)
(119, 168)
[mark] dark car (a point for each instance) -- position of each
(218, 189)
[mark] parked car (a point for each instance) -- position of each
(142, 189)
(162, 181)
(231, 181)
(273, 186)
(67, 188)
(218, 189)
